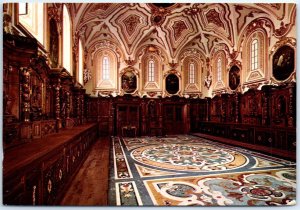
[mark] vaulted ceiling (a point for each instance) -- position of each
(174, 27)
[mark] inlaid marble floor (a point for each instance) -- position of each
(188, 170)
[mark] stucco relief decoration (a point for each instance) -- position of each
(214, 17)
(190, 52)
(158, 15)
(53, 13)
(129, 61)
(179, 27)
(100, 6)
(193, 11)
(105, 44)
(258, 23)
(208, 81)
(131, 23)
(283, 29)
(87, 74)
(276, 6)
(208, 77)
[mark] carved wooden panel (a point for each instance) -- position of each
(251, 107)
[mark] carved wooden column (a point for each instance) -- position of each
(265, 105)
(224, 107)
(26, 125)
(77, 105)
(143, 113)
(25, 95)
(237, 105)
(98, 109)
(68, 105)
(111, 117)
(57, 88)
(207, 118)
(69, 121)
(160, 114)
(187, 118)
(197, 117)
(82, 108)
(291, 114)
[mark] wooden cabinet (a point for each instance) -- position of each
(173, 119)
(127, 115)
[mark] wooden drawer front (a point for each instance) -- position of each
(291, 141)
(13, 191)
(265, 138)
(240, 134)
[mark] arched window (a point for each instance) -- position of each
(151, 71)
(67, 40)
(105, 68)
(219, 69)
(254, 55)
(31, 16)
(192, 73)
(80, 63)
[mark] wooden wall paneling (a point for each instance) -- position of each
(261, 118)
(216, 109)
(195, 115)
(251, 107)
(105, 116)
(292, 105)
(111, 117)
(16, 88)
(282, 106)
(143, 112)
(224, 107)
(186, 117)
(174, 117)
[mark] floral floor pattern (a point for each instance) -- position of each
(186, 170)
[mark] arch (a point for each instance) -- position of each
(255, 58)
(152, 68)
(67, 38)
(105, 69)
(192, 66)
(31, 16)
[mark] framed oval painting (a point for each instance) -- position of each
(283, 62)
(129, 82)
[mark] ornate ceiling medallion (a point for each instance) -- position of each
(159, 15)
(160, 11)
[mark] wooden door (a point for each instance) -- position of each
(173, 119)
(127, 115)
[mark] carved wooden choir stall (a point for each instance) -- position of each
(44, 137)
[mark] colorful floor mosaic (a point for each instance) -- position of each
(187, 170)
